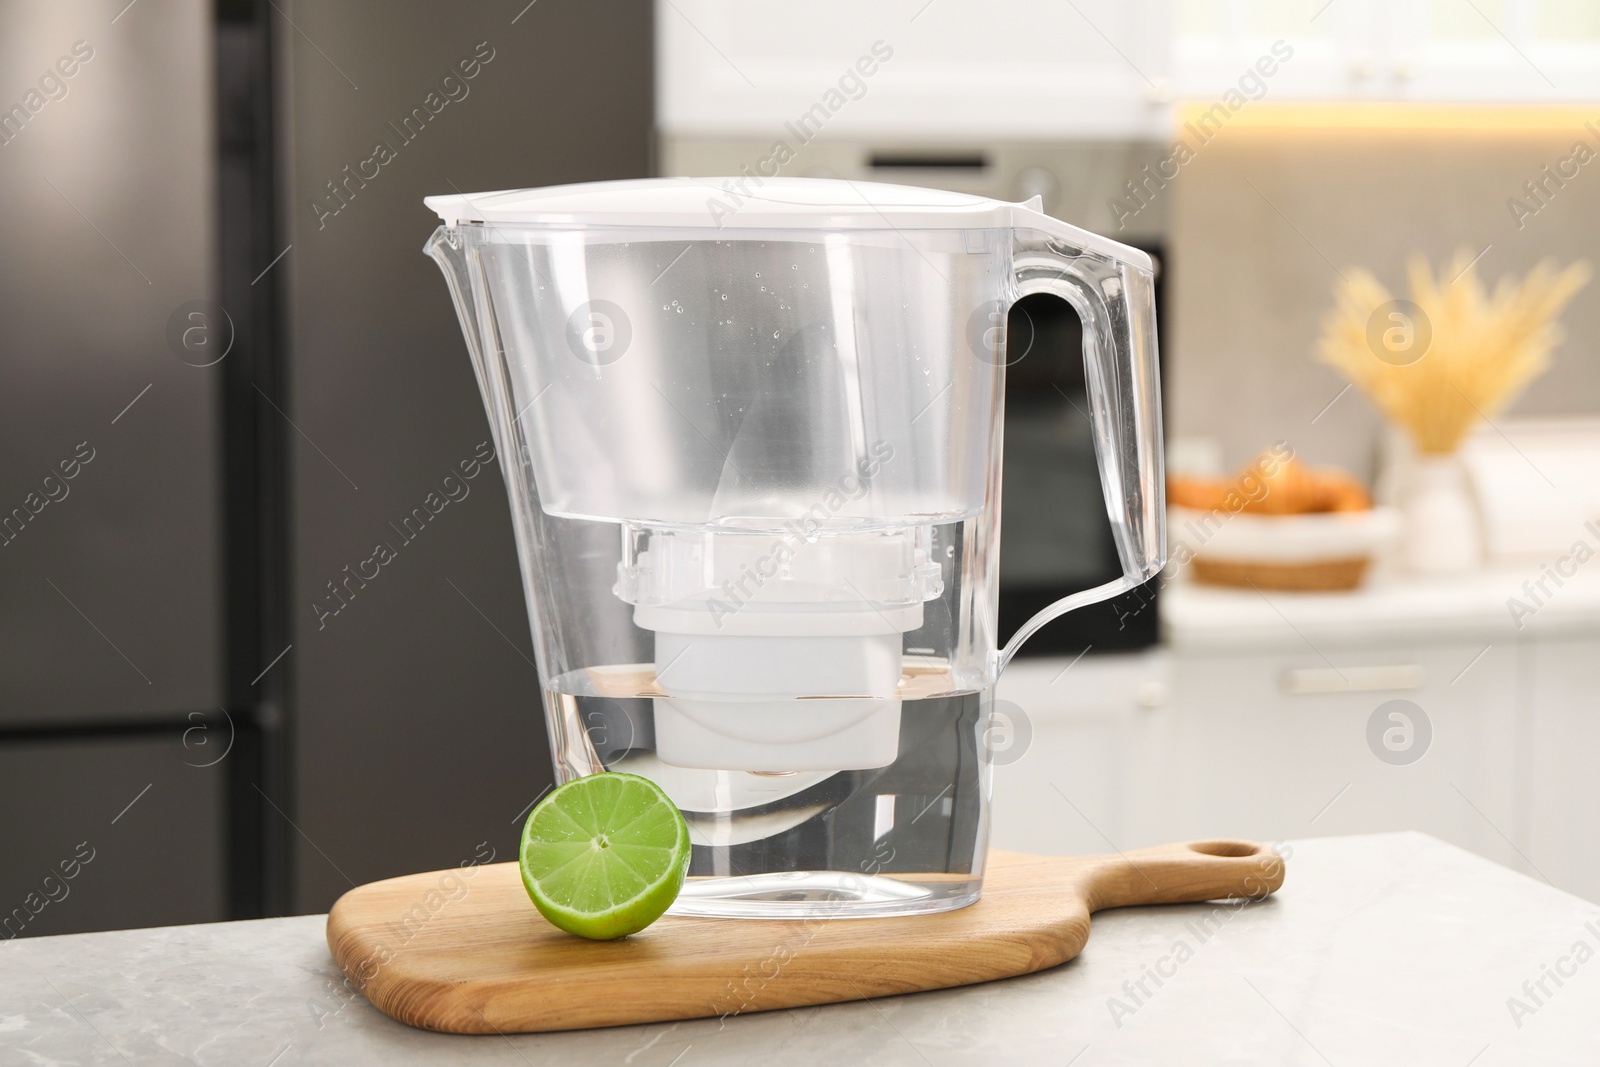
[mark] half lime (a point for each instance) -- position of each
(604, 855)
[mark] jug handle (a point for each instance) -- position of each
(1111, 287)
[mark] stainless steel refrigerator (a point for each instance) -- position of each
(253, 649)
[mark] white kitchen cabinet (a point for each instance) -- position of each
(1093, 765)
(939, 73)
(1563, 793)
(1518, 50)
(1253, 722)
(1275, 746)
(934, 69)
(1427, 50)
(1163, 747)
(1216, 43)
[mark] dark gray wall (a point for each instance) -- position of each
(417, 731)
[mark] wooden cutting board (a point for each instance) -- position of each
(464, 951)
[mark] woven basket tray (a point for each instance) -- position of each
(1328, 575)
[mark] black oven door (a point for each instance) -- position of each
(1055, 537)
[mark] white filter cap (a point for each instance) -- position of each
(778, 703)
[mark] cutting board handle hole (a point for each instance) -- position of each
(1230, 849)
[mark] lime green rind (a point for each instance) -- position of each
(577, 885)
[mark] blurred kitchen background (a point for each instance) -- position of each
(227, 371)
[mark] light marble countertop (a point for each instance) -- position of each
(1382, 949)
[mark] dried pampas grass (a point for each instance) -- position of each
(1484, 349)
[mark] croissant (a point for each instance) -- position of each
(1285, 487)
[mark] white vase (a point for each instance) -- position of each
(1443, 529)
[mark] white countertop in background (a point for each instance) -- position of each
(1390, 607)
(1389, 949)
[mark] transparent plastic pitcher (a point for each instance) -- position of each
(752, 442)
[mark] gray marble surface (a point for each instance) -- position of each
(1384, 949)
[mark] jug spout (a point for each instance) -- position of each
(448, 248)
